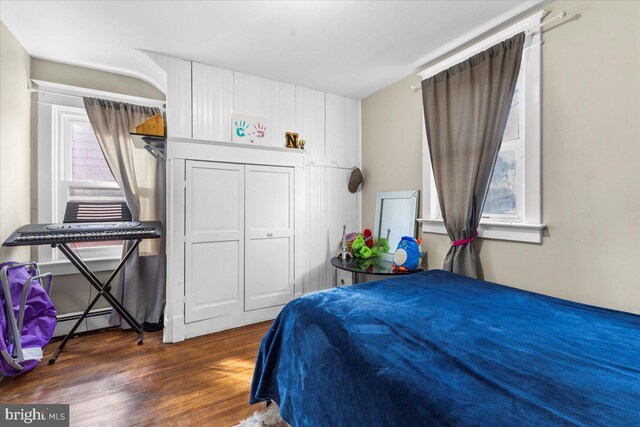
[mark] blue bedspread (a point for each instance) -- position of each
(435, 348)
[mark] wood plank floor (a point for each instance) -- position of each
(109, 380)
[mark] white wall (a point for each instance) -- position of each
(591, 158)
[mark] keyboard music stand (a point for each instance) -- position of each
(97, 212)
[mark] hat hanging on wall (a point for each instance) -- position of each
(355, 179)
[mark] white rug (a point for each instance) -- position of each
(270, 417)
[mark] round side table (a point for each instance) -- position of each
(373, 266)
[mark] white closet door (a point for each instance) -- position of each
(214, 264)
(269, 274)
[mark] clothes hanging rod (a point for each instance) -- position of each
(530, 30)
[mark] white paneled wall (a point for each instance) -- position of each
(329, 207)
(318, 274)
(283, 112)
(179, 97)
(251, 95)
(342, 126)
(329, 124)
(212, 102)
(310, 121)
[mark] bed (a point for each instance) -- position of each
(436, 348)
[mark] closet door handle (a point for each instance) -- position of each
(269, 234)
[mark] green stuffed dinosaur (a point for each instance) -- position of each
(381, 245)
(360, 248)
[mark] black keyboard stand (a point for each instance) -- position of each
(104, 290)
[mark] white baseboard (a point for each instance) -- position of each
(234, 320)
(99, 319)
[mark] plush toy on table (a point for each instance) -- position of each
(361, 245)
(381, 245)
(360, 249)
(408, 255)
(368, 237)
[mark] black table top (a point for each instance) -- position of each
(369, 266)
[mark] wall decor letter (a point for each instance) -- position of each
(293, 141)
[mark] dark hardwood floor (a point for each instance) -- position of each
(109, 380)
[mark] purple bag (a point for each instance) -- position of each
(39, 319)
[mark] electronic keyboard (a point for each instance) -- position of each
(50, 234)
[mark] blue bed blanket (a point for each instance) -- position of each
(435, 348)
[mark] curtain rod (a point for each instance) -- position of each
(32, 90)
(530, 30)
(134, 100)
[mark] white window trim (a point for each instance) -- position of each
(51, 95)
(530, 228)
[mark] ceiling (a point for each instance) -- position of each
(352, 48)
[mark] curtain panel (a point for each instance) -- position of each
(141, 282)
(466, 108)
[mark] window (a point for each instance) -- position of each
(71, 167)
(85, 175)
(505, 198)
(512, 208)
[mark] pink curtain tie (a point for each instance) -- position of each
(465, 241)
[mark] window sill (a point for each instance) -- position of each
(517, 232)
(65, 268)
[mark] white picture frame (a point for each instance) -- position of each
(250, 129)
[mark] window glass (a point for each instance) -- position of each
(512, 130)
(87, 160)
(99, 194)
(502, 197)
(90, 177)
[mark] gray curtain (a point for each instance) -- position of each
(141, 282)
(466, 109)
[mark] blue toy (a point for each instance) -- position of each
(408, 255)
